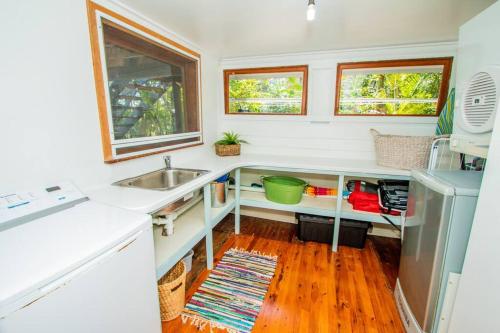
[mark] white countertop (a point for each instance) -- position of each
(148, 201)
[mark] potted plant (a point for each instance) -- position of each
(229, 145)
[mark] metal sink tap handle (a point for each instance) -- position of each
(168, 161)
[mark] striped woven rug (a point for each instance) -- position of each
(232, 295)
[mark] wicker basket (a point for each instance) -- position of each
(402, 152)
(227, 150)
(172, 292)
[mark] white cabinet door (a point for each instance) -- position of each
(117, 293)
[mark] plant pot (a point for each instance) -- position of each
(227, 150)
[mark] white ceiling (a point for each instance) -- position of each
(232, 28)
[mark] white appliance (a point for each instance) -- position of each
(73, 265)
(478, 85)
(441, 206)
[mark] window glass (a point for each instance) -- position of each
(266, 91)
(408, 90)
(146, 87)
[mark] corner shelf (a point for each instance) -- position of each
(197, 223)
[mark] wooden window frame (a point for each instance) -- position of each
(264, 70)
(446, 62)
(155, 145)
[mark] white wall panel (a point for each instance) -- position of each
(320, 93)
(320, 133)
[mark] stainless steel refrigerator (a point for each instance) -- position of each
(441, 207)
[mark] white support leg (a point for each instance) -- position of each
(336, 226)
(207, 203)
(237, 184)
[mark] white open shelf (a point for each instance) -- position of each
(189, 229)
(308, 205)
(348, 212)
(325, 206)
(219, 213)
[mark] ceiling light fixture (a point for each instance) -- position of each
(311, 10)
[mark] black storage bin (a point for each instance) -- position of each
(320, 229)
(313, 228)
(353, 233)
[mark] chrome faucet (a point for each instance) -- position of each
(168, 162)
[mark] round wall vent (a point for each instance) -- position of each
(480, 101)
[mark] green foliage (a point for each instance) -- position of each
(256, 95)
(159, 116)
(158, 119)
(147, 95)
(402, 88)
(230, 138)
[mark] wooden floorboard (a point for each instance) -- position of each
(388, 251)
(314, 289)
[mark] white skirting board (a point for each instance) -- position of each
(384, 231)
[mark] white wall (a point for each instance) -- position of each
(321, 134)
(49, 125)
(478, 298)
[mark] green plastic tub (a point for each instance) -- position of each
(283, 189)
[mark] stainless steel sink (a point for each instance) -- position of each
(162, 180)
